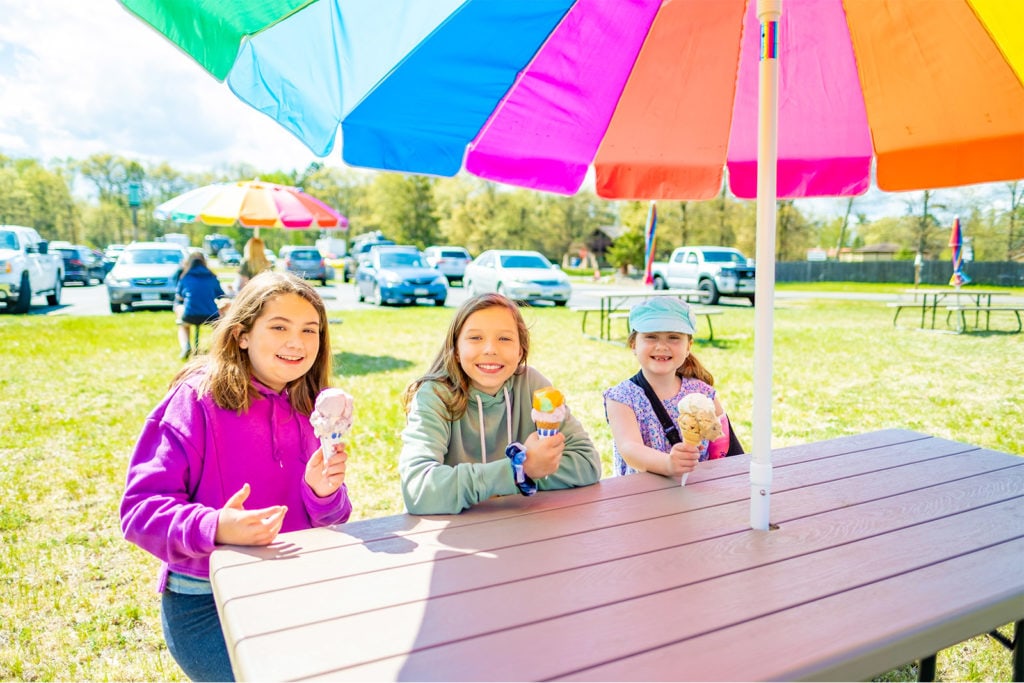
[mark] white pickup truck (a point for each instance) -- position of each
(27, 269)
(715, 271)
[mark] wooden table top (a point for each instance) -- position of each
(890, 546)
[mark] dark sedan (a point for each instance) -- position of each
(82, 264)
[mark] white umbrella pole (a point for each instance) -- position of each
(768, 13)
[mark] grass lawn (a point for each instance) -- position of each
(79, 602)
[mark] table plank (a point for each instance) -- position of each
(890, 634)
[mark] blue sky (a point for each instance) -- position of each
(79, 77)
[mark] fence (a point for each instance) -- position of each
(1003, 273)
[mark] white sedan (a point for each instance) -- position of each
(519, 275)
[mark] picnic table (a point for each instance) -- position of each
(614, 302)
(928, 301)
(889, 546)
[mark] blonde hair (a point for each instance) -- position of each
(446, 370)
(691, 367)
(256, 255)
(228, 371)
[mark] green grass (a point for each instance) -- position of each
(79, 602)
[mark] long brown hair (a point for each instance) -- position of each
(228, 369)
(446, 370)
(192, 259)
(691, 367)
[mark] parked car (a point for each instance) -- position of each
(27, 269)
(81, 264)
(229, 256)
(399, 274)
(306, 262)
(110, 255)
(145, 273)
(449, 260)
(361, 248)
(519, 275)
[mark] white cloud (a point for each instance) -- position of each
(77, 78)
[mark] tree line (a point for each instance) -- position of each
(87, 202)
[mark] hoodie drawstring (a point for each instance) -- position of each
(508, 422)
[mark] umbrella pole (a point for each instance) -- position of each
(768, 13)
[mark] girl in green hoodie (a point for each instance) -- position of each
(469, 429)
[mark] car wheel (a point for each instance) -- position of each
(378, 299)
(709, 293)
(24, 296)
(323, 282)
(115, 308)
(659, 282)
(54, 299)
(751, 297)
(560, 303)
(439, 302)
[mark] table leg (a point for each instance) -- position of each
(926, 670)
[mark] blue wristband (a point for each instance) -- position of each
(516, 453)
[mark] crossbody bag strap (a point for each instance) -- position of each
(667, 423)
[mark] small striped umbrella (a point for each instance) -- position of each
(251, 204)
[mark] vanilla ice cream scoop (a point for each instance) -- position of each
(698, 421)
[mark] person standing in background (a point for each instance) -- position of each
(254, 262)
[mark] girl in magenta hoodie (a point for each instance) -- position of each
(229, 457)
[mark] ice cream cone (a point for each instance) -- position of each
(548, 411)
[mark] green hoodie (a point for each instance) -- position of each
(442, 469)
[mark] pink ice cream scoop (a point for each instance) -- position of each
(331, 418)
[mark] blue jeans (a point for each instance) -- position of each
(194, 636)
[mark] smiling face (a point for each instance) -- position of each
(488, 348)
(283, 342)
(661, 353)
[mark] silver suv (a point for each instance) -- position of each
(145, 273)
(449, 260)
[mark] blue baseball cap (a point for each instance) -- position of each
(662, 314)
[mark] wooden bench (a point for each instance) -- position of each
(707, 312)
(962, 311)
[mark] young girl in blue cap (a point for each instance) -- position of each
(661, 337)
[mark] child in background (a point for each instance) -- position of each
(661, 337)
(229, 457)
(471, 406)
(198, 291)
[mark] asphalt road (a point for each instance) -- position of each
(79, 300)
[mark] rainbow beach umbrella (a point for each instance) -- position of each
(251, 204)
(659, 98)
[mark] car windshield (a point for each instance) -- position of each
(401, 259)
(724, 257)
(305, 255)
(151, 256)
(8, 240)
(523, 261)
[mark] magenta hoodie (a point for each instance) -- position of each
(193, 455)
